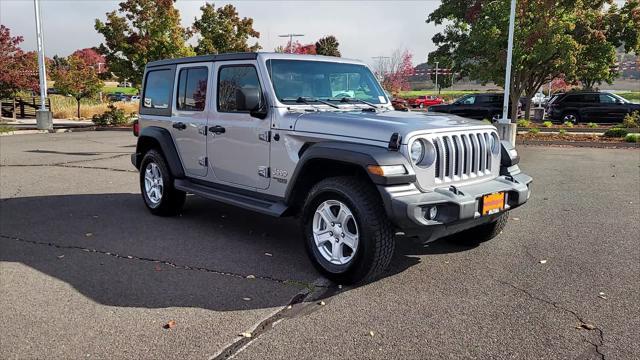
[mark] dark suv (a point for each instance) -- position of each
(589, 106)
(474, 106)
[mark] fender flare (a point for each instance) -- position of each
(163, 138)
(361, 155)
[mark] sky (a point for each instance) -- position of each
(365, 29)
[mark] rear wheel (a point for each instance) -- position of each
(482, 233)
(156, 186)
(347, 234)
(571, 117)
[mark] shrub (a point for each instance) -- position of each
(534, 131)
(562, 131)
(592, 125)
(547, 124)
(113, 116)
(524, 123)
(616, 133)
(631, 120)
(6, 128)
(568, 124)
(632, 138)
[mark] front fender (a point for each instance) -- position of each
(154, 136)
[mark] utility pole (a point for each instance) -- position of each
(506, 127)
(43, 116)
(291, 36)
(436, 77)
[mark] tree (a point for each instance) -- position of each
(395, 71)
(475, 40)
(328, 46)
(80, 79)
(296, 47)
(222, 30)
(141, 31)
(93, 58)
(18, 70)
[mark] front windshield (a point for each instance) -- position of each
(323, 80)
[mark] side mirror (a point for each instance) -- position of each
(250, 99)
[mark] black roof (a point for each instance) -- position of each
(205, 58)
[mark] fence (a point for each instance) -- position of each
(21, 108)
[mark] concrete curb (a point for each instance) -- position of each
(591, 144)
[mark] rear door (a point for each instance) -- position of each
(611, 109)
(190, 113)
(238, 143)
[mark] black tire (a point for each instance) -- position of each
(482, 233)
(375, 232)
(571, 116)
(171, 200)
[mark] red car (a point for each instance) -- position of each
(425, 101)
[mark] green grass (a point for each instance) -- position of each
(6, 128)
(114, 89)
(630, 95)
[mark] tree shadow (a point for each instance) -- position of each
(79, 153)
(212, 256)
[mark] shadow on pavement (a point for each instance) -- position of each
(112, 250)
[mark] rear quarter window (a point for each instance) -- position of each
(157, 92)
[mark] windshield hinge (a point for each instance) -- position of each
(395, 141)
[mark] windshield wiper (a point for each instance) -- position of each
(352, 100)
(308, 101)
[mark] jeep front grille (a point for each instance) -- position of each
(462, 156)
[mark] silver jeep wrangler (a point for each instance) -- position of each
(316, 137)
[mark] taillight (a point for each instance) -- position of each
(136, 128)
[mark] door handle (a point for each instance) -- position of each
(217, 129)
(179, 125)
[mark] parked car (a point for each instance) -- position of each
(597, 107)
(475, 106)
(135, 98)
(425, 101)
(265, 132)
(124, 84)
(117, 96)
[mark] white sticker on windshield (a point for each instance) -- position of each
(382, 99)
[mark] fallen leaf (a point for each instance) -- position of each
(88, 234)
(601, 293)
(251, 276)
(371, 333)
(516, 219)
(95, 216)
(289, 307)
(170, 325)
(587, 326)
(322, 303)
(246, 334)
(543, 261)
(246, 298)
(60, 257)
(268, 254)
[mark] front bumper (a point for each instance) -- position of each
(458, 208)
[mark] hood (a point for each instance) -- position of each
(379, 126)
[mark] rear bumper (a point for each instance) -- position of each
(458, 209)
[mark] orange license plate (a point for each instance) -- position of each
(492, 203)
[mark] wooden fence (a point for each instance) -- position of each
(22, 108)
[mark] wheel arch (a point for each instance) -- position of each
(154, 137)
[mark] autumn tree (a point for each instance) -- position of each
(328, 46)
(18, 70)
(295, 47)
(79, 79)
(222, 30)
(395, 71)
(92, 57)
(141, 31)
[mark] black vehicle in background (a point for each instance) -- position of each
(474, 106)
(594, 107)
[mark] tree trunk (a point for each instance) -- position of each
(515, 98)
(78, 100)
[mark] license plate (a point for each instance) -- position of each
(492, 203)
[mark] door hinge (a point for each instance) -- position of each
(203, 161)
(263, 171)
(265, 136)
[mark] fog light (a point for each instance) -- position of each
(432, 213)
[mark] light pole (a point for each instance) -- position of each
(436, 77)
(291, 36)
(507, 127)
(43, 116)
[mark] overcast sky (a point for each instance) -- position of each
(364, 28)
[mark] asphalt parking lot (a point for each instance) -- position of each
(87, 272)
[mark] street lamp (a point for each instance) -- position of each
(43, 116)
(291, 36)
(506, 127)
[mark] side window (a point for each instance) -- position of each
(192, 89)
(607, 99)
(157, 89)
(236, 82)
(469, 100)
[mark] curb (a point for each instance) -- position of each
(590, 144)
(598, 130)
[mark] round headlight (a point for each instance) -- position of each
(417, 151)
(495, 144)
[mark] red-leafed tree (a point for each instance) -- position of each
(297, 48)
(18, 70)
(395, 72)
(79, 79)
(93, 58)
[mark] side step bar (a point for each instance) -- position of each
(273, 208)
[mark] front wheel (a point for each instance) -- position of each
(156, 185)
(347, 234)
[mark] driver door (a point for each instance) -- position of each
(238, 144)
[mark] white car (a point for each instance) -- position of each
(135, 98)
